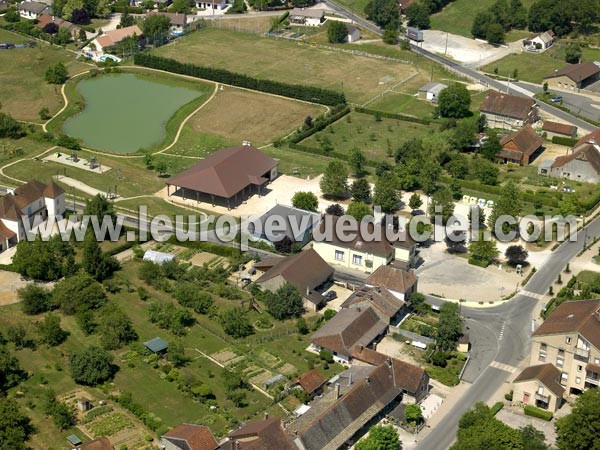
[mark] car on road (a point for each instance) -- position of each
(331, 295)
(556, 99)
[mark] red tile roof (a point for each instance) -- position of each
(97, 444)
(113, 37)
(525, 139)
(393, 279)
(559, 128)
(263, 435)
(591, 138)
(197, 437)
(547, 374)
(507, 105)
(311, 381)
(576, 72)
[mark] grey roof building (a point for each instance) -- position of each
(296, 224)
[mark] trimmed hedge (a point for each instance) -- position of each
(130, 9)
(299, 92)
(569, 142)
(389, 115)
(534, 411)
(321, 152)
(478, 262)
(497, 407)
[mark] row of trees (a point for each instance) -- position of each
(500, 17)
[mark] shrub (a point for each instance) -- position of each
(478, 262)
(534, 411)
(326, 356)
(497, 407)
(509, 396)
(560, 140)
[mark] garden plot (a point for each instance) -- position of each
(227, 358)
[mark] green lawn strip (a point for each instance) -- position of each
(531, 67)
(404, 104)
(192, 143)
(305, 164)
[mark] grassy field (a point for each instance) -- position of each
(403, 104)
(360, 78)
(457, 17)
(24, 91)
(238, 115)
(362, 131)
(531, 67)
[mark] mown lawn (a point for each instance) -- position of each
(404, 104)
(532, 67)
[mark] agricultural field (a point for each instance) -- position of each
(360, 78)
(24, 90)
(458, 16)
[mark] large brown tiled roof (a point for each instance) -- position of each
(406, 376)
(547, 374)
(378, 298)
(311, 381)
(349, 327)
(97, 444)
(591, 138)
(263, 435)
(113, 37)
(393, 279)
(46, 19)
(303, 270)
(53, 190)
(526, 139)
(11, 205)
(507, 105)
(584, 152)
(559, 128)
(197, 437)
(580, 316)
(576, 72)
(5, 232)
(226, 172)
(175, 18)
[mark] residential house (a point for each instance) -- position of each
(508, 111)
(178, 20)
(574, 76)
(217, 5)
(570, 340)
(353, 33)
(582, 164)
(590, 138)
(311, 17)
(401, 283)
(413, 380)
(539, 386)
(229, 176)
(189, 437)
(431, 91)
(539, 42)
(101, 45)
(30, 9)
(344, 414)
(266, 434)
(386, 305)
(311, 382)
(520, 147)
(557, 129)
(294, 223)
(306, 271)
(347, 329)
(26, 207)
(363, 253)
(46, 19)
(97, 444)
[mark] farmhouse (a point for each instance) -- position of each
(361, 253)
(27, 207)
(520, 147)
(557, 129)
(353, 33)
(386, 305)
(228, 176)
(539, 42)
(178, 20)
(431, 91)
(401, 283)
(217, 5)
(101, 44)
(189, 437)
(348, 328)
(293, 223)
(46, 19)
(311, 17)
(306, 271)
(508, 111)
(582, 164)
(311, 382)
(539, 386)
(265, 434)
(574, 76)
(32, 10)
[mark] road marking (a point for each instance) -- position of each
(502, 366)
(532, 295)
(502, 331)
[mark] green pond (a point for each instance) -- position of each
(126, 112)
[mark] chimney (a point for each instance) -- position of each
(337, 390)
(350, 379)
(367, 380)
(389, 362)
(307, 290)
(266, 415)
(361, 347)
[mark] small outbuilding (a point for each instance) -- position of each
(84, 404)
(353, 33)
(431, 91)
(157, 346)
(311, 17)
(73, 440)
(553, 129)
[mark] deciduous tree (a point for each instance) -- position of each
(454, 101)
(305, 200)
(91, 366)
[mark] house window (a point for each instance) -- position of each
(561, 352)
(543, 346)
(541, 390)
(578, 380)
(564, 376)
(357, 259)
(542, 356)
(568, 340)
(596, 360)
(339, 255)
(560, 362)
(579, 368)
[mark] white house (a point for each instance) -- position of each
(431, 91)
(34, 202)
(353, 33)
(32, 10)
(540, 41)
(217, 5)
(311, 17)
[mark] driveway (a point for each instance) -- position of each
(517, 420)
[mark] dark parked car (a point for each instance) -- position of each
(556, 99)
(330, 296)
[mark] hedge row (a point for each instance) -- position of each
(319, 124)
(130, 9)
(497, 407)
(478, 262)
(299, 92)
(569, 142)
(534, 411)
(389, 115)
(321, 152)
